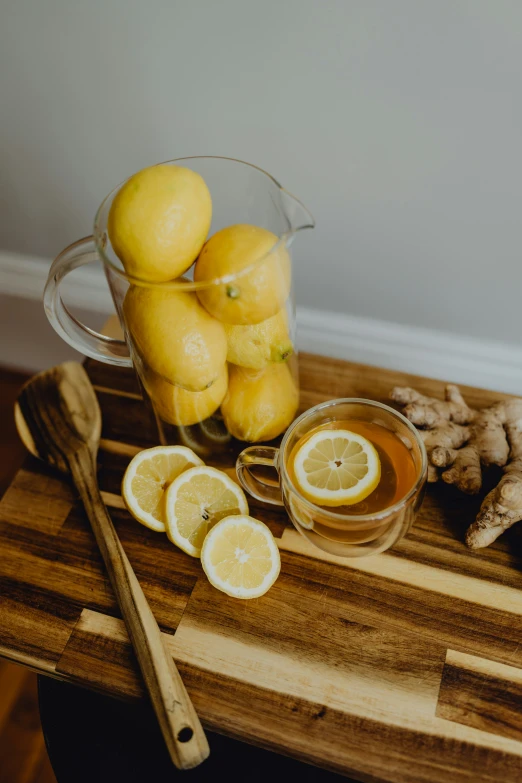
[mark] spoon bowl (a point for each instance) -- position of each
(57, 411)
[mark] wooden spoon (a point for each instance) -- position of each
(59, 420)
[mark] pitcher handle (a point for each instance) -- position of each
(259, 455)
(79, 336)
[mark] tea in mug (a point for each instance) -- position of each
(392, 481)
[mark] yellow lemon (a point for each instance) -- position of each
(259, 405)
(181, 407)
(159, 220)
(255, 345)
(240, 557)
(175, 336)
(256, 294)
(337, 468)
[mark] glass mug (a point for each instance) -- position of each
(241, 194)
(345, 535)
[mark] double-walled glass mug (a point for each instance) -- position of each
(185, 411)
(346, 535)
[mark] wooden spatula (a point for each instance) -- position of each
(58, 419)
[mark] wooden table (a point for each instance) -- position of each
(403, 667)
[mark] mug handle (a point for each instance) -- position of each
(79, 336)
(259, 455)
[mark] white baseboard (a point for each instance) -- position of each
(488, 364)
(468, 360)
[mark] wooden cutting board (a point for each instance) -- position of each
(403, 667)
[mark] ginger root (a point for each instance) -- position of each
(461, 442)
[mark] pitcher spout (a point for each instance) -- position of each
(298, 216)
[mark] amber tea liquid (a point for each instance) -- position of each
(398, 476)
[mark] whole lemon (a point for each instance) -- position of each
(181, 407)
(159, 220)
(255, 345)
(259, 405)
(258, 293)
(175, 336)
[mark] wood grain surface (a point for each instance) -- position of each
(23, 757)
(405, 667)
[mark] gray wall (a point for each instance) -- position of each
(398, 123)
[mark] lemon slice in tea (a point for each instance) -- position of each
(337, 468)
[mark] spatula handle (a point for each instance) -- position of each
(179, 723)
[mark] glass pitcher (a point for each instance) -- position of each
(254, 396)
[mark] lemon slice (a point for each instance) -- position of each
(147, 476)
(337, 468)
(206, 435)
(215, 430)
(240, 557)
(195, 501)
